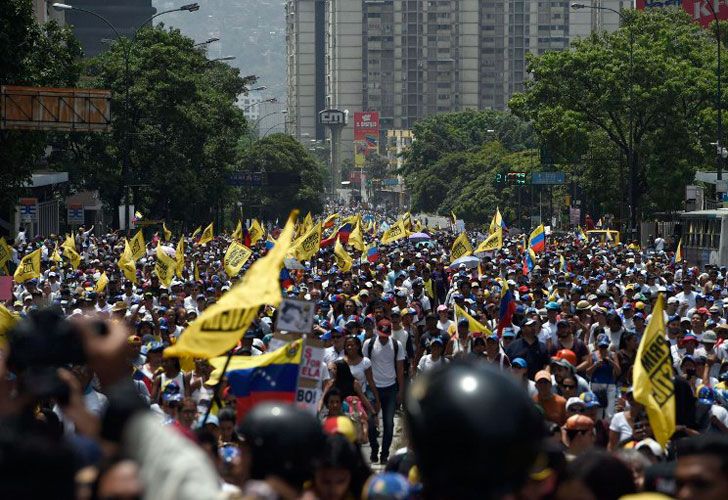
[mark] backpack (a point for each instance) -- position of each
(370, 347)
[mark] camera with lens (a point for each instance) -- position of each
(39, 345)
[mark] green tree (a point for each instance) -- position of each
(295, 178)
(33, 55)
(454, 161)
(182, 124)
(586, 103)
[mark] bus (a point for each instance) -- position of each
(704, 236)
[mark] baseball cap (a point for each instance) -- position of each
(542, 375)
(340, 425)
(441, 307)
(552, 306)
(530, 322)
(689, 338)
(509, 332)
(651, 445)
(603, 340)
(590, 399)
(566, 354)
(706, 395)
(574, 401)
(709, 337)
(519, 363)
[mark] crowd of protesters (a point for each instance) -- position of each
(122, 421)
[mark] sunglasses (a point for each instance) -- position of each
(337, 336)
(569, 386)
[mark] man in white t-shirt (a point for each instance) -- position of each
(387, 357)
(336, 351)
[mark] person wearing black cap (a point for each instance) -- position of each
(465, 418)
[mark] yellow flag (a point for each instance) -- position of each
(167, 232)
(678, 253)
(165, 267)
(29, 267)
(256, 232)
(307, 222)
(343, 259)
(207, 235)
(460, 247)
(196, 231)
(496, 222)
(6, 253)
(197, 272)
(356, 239)
(127, 264)
(652, 376)
(221, 325)
(137, 246)
(308, 244)
(394, 233)
(101, 283)
(473, 324)
(73, 257)
(492, 242)
(7, 321)
(238, 233)
(179, 254)
(69, 242)
(55, 256)
(407, 220)
(235, 258)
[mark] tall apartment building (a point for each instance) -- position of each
(409, 59)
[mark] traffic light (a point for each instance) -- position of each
(511, 178)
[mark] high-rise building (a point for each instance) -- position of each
(409, 59)
(306, 68)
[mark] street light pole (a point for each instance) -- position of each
(631, 152)
(718, 101)
(126, 158)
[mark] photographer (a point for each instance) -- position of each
(169, 466)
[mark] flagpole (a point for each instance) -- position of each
(216, 391)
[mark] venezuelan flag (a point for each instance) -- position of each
(507, 308)
(529, 261)
(537, 240)
(253, 379)
(372, 253)
(581, 235)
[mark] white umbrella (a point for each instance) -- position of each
(469, 261)
(292, 263)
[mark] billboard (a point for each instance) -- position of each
(60, 109)
(698, 9)
(366, 136)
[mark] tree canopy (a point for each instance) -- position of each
(453, 162)
(295, 177)
(655, 74)
(183, 127)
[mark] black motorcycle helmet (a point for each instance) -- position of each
(474, 431)
(285, 441)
